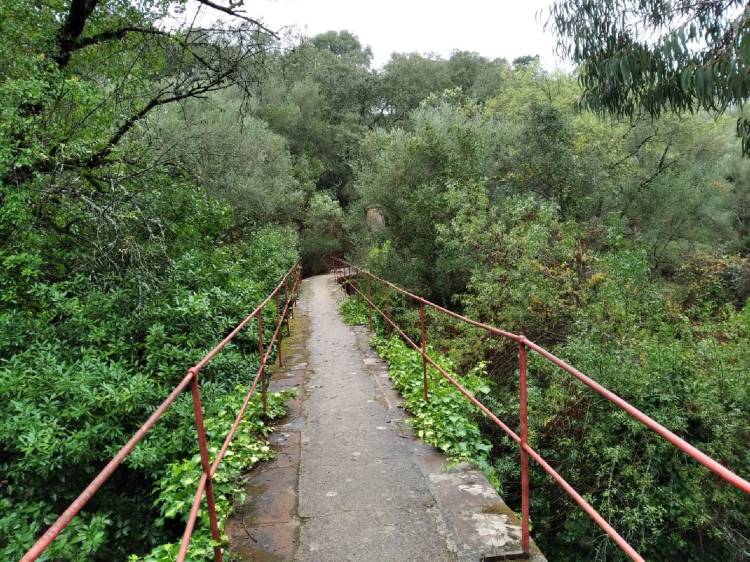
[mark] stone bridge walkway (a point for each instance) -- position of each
(350, 480)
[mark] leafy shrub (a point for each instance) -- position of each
(178, 483)
(447, 420)
(323, 233)
(707, 283)
(408, 173)
(235, 157)
(675, 348)
(354, 311)
(86, 361)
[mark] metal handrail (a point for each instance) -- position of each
(208, 469)
(345, 271)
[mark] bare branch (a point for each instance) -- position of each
(234, 12)
(97, 159)
(115, 34)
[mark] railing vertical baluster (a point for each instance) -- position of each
(369, 301)
(523, 414)
(291, 305)
(424, 349)
(263, 379)
(205, 465)
(388, 308)
(279, 319)
(286, 304)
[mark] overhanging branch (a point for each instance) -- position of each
(97, 159)
(233, 11)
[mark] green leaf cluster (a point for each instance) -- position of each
(654, 57)
(354, 311)
(177, 485)
(619, 246)
(84, 365)
(447, 420)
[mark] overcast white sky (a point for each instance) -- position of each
(493, 28)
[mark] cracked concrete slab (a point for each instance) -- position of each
(349, 484)
(389, 536)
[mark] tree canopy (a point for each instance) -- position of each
(653, 56)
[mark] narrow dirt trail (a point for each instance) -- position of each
(350, 480)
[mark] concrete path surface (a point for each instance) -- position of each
(350, 480)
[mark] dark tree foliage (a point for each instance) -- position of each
(80, 75)
(118, 265)
(656, 55)
(343, 44)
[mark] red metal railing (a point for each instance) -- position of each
(292, 277)
(344, 272)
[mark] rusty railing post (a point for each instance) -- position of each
(263, 380)
(424, 349)
(369, 301)
(523, 414)
(205, 465)
(388, 308)
(279, 319)
(286, 304)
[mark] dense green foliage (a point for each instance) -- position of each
(179, 480)
(354, 311)
(446, 420)
(620, 247)
(155, 182)
(133, 239)
(86, 365)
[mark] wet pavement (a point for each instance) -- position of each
(350, 480)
